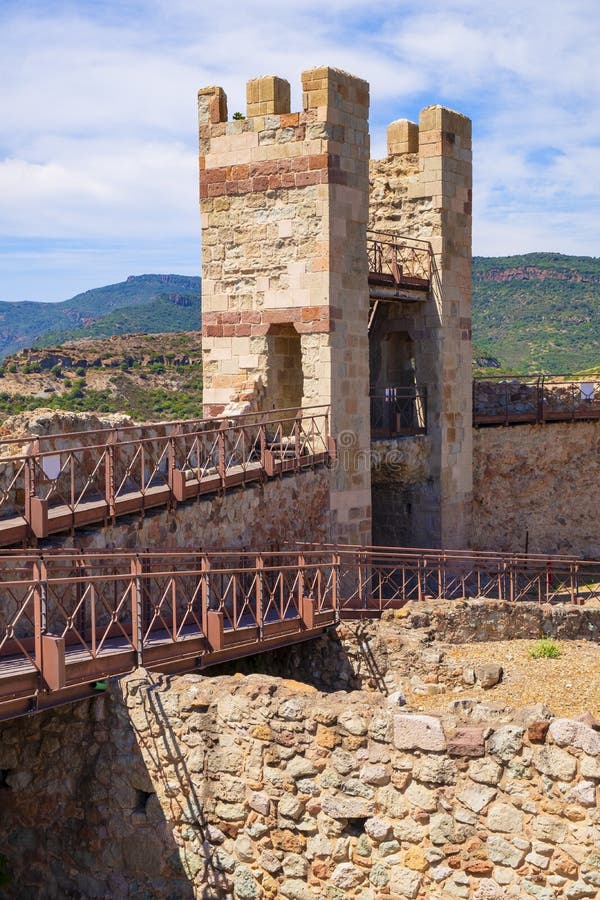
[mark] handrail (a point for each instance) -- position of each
(52, 490)
(402, 259)
(536, 399)
(70, 617)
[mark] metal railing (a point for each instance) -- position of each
(95, 476)
(508, 400)
(398, 260)
(69, 619)
(398, 411)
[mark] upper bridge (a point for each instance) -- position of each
(400, 267)
(70, 619)
(61, 482)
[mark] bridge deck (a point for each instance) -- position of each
(69, 620)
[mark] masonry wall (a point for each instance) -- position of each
(258, 517)
(422, 190)
(537, 485)
(254, 787)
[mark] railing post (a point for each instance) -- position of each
(260, 565)
(222, 462)
(205, 592)
(335, 586)
(109, 473)
(40, 609)
(30, 480)
(297, 431)
(137, 625)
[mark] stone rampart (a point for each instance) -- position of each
(537, 486)
(254, 787)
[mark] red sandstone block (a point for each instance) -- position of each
(242, 330)
(245, 186)
(536, 731)
(228, 330)
(203, 191)
(289, 120)
(217, 190)
(239, 173)
(251, 316)
(305, 178)
(318, 161)
(299, 164)
(282, 316)
(232, 188)
(230, 318)
(288, 180)
(468, 741)
(310, 313)
(202, 163)
(212, 330)
(259, 330)
(211, 176)
(274, 182)
(268, 167)
(260, 183)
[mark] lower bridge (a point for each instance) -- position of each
(69, 620)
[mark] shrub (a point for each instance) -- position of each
(545, 648)
(56, 370)
(80, 371)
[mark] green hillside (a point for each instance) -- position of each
(26, 323)
(539, 312)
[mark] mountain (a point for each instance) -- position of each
(539, 312)
(142, 303)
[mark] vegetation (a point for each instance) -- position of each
(169, 298)
(545, 648)
(536, 313)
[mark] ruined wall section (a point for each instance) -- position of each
(537, 484)
(422, 190)
(284, 202)
(260, 788)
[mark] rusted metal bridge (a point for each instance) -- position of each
(400, 267)
(61, 482)
(71, 619)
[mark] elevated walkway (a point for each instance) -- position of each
(69, 620)
(64, 482)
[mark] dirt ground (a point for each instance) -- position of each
(568, 686)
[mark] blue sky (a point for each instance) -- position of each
(98, 136)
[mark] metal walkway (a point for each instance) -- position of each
(65, 481)
(69, 619)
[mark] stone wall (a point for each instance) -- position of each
(254, 787)
(406, 500)
(261, 516)
(538, 483)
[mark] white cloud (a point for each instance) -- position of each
(97, 113)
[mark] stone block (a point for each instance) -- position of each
(415, 732)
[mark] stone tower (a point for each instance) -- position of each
(284, 200)
(422, 190)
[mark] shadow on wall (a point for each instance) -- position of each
(346, 658)
(79, 814)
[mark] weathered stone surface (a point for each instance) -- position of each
(488, 674)
(555, 763)
(418, 733)
(404, 882)
(476, 798)
(347, 876)
(347, 807)
(506, 742)
(468, 741)
(435, 770)
(504, 853)
(566, 732)
(485, 771)
(505, 818)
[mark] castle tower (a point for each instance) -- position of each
(422, 190)
(284, 201)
